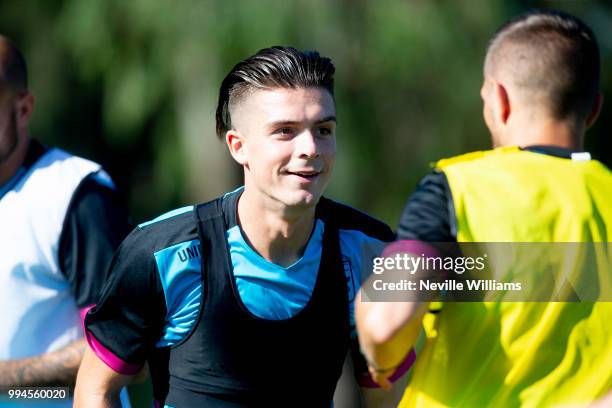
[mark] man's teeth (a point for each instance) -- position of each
(305, 174)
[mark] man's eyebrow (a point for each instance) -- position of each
(280, 123)
(330, 118)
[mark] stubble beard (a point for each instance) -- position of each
(9, 145)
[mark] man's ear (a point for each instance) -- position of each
(24, 106)
(236, 145)
(594, 114)
(502, 108)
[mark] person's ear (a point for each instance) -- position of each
(484, 90)
(594, 114)
(24, 106)
(236, 145)
(502, 108)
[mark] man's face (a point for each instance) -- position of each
(8, 125)
(288, 143)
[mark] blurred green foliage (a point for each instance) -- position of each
(133, 84)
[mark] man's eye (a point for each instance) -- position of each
(284, 131)
(324, 131)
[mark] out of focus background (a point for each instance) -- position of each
(134, 84)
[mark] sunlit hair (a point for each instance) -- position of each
(552, 56)
(275, 67)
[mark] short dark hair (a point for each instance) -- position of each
(552, 53)
(274, 67)
(13, 69)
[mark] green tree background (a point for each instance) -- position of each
(133, 84)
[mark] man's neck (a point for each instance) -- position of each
(10, 166)
(548, 133)
(278, 235)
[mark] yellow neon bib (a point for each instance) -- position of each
(520, 354)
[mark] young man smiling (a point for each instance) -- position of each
(245, 300)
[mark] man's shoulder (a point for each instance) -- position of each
(465, 158)
(63, 176)
(171, 228)
(56, 156)
(492, 158)
(429, 213)
(175, 217)
(346, 217)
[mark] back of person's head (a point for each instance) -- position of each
(551, 58)
(13, 70)
(275, 67)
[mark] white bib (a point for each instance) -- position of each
(38, 311)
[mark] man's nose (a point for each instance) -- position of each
(307, 145)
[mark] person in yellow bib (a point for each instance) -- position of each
(540, 94)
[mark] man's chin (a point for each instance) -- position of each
(304, 200)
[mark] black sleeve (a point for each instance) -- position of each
(429, 214)
(345, 217)
(129, 318)
(94, 226)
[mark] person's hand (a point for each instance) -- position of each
(381, 377)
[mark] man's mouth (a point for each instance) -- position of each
(305, 174)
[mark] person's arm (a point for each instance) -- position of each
(123, 328)
(429, 214)
(387, 333)
(378, 391)
(352, 392)
(56, 368)
(389, 330)
(378, 397)
(96, 223)
(97, 384)
(356, 248)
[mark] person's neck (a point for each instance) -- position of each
(547, 132)
(10, 166)
(277, 233)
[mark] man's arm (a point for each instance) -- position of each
(350, 393)
(388, 330)
(97, 384)
(56, 368)
(124, 326)
(96, 223)
(387, 333)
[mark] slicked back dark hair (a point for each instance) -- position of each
(275, 67)
(13, 69)
(551, 53)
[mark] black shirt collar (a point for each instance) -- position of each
(556, 151)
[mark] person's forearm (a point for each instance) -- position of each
(98, 385)
(96, 400)
(388, 330)
(56, 368)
